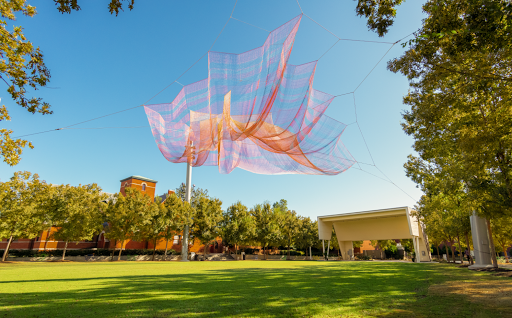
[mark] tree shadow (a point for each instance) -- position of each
(329, 289)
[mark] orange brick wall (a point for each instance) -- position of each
(367, 246)
(137, 184)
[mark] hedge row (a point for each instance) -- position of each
(281, 252)
(84, 252)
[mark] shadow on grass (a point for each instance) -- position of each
(333, 289)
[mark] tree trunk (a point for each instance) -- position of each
(310, 256)
(288, 251)
(6, 252)
(120, 250)
(446, 250)
(265, 252)
(47, 238)
(154, 250)
(491, 243)
(504, 247)
(438, 256)
(64, 252)
(166, 243)
(453, 252)
(470, 258)
(460, 250)
(204, 251)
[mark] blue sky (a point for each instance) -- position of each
(102, 64)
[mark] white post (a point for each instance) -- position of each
(481, 246)
(323, 249)
(184, 242)
(328, 246)
(418, 254)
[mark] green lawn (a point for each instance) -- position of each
(244, 288)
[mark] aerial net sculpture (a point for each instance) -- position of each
(255, 112)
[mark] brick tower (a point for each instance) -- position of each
(145, 185)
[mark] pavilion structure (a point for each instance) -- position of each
(384, 224)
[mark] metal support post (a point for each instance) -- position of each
(184, 242)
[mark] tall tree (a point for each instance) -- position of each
(238, 225)
(185, 218)
(307, 235)
(153, 229)
(459, 68)
(267, 225)
(290, 228)
(77, 212)
(334, 243)
(196, 194)
(126, 215)
(173, 208)
(20, 207)
(502, 231)
(23, 69)
(207, 221)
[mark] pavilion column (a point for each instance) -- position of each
(346, 249)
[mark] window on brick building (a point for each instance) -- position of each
(143, 187)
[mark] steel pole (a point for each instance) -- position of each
(188, 188)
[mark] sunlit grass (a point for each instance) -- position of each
(245, 288)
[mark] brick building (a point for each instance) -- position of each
(146, 186)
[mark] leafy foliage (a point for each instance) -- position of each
(76, 212)
(22, 67)
(238, 226)
(502, 232)
(207, 220)
(127, 216)
(21, 214)
(380, 13)
(66, 6)
(173, 208)
(268, 222)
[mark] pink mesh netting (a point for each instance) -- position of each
(254, 111)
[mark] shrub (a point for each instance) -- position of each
(292, 253)
(85, 252)
(250, 250)
(391, 252)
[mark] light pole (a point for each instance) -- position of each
(188, 194)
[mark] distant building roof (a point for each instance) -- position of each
(140, 178)
(165, 195)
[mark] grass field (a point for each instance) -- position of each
(250, 288)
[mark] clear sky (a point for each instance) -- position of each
(102, 64)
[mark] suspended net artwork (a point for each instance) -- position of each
(255, 112)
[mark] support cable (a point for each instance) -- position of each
(127, 109)
(250, 24)
(300, 7)
(215, 41)
(129, 127)
(364, 79)
(328, 50)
